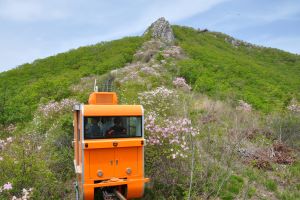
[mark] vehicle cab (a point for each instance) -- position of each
(109, 147)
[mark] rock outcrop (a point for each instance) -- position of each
(161, 29)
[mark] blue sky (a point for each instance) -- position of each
(32, 29)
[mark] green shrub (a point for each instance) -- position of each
(271, 185)
(251, 173)
(289, 195)
(251, 192)
(232, 187)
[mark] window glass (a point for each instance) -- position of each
(112, 127)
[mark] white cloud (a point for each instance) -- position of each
(279, 12)
(146, 12)
(137, 18)
(32, 10)
(179, 9)
(285, 10)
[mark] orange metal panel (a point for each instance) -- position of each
(113, 110)
(140, 161)
(86, 164)
(126, 159)
(88, 193)
(109, 143)
(116, 183)
(103, 98)
(136, 189)
(102, 159)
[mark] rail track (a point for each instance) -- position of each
(103, 194)
(115, 195)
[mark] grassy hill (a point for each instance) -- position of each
(226, 146)
(223, 67)
(22, 88)
(267, 78)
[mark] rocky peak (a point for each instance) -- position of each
(162, 30)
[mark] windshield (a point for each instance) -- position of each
(112, 127)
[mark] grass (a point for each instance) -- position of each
(251, 192)
(264, 77)
(271, 185)
(232, 187)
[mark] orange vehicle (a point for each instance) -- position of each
(108, 149)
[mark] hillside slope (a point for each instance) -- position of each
(218, 65)
(21, 89)
(198, 146)
(224, 67)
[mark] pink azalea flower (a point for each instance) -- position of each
(9, 139)
(7, 186)
(180, 82)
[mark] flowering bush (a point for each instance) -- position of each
(170, 133)
(131, 76)
(243, 106)
(160, 100)
(149, 71)
(180, 82)
(41, 161)
(173, 51)
(55, 107)
(6, 186)
(3, 143)
(169, 150)
(294, 106)
(46, 114)
(25, 194)
(10, 128)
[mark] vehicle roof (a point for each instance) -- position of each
(112, 110)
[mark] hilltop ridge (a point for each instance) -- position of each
(161, 29)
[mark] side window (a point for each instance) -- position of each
(92, 128)
(135, 127)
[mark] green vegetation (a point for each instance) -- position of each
(271, 185)
(232, 187)
(227, 146)
(23, 88)
(264, 77)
